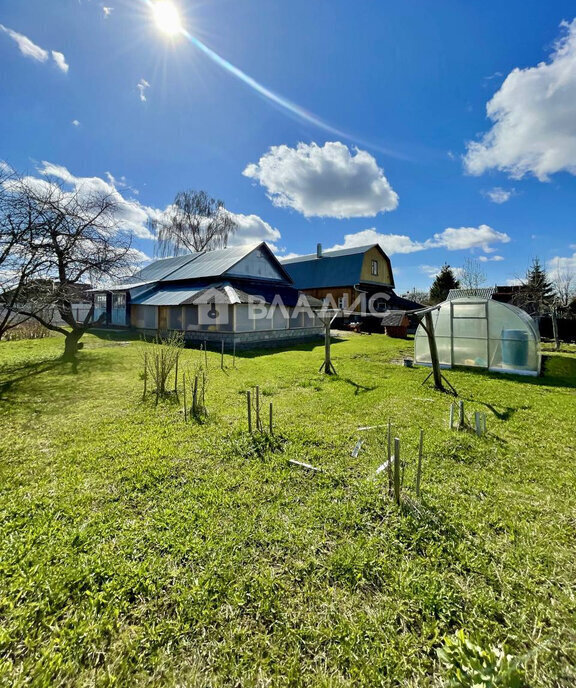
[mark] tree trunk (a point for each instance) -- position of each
(72, 345)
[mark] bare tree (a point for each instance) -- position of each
(194, 222)
(71, 239)
(472, 276)
(19, 257)
(564, 284)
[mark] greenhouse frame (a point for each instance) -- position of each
(482, 333)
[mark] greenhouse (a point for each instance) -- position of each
(482, 333)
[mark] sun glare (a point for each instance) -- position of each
(167, 17)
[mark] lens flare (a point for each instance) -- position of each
(167, 17)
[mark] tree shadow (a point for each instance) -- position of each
(358, 389)
(13, 377)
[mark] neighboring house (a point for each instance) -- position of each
(240, 295)
(358, 280)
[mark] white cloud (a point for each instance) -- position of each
(27, 47)
(132, 216)
(253, 229)
(562, 265)
(534, 118)
(391, 243)
(429, 270)
(514, 282)
(468, 238)
(60, 61)
(464, 238)
(498, 194)
(143, 85)
(324, 181)
(486, 259)
(107, 11)
(75, 123)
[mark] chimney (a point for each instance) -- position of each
(318, 250)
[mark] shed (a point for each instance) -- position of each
(482, 333)
(395, 324)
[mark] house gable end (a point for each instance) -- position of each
(260, 263)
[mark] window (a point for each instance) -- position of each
(343, 301)
(375, 268)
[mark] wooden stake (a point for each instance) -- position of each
(419, 468)
(451, 416)
(176, 378)
(195, 397)
(389, 453)
(397, 470)
(461, 419)
(222, 356)
(249, 403)
(206, 354)
(234, 353)
(258, 423)
(433, 352)
(271, 425)
(145, 375)
(185, 408)
(478, 423)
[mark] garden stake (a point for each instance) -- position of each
(195, 397)
(419, 469)
(389, 453)
(451, 416)
(461, 418)
(397, 470)
(249, 402)
(184, 386)
(271, 427)
(145, 375)
(222, 356)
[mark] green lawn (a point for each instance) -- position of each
(136, 549)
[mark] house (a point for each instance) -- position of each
(358, 280)
(241, 295)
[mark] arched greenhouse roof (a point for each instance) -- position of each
(479, 332)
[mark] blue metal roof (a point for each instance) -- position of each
(318, 273)
(329, 254)
(160, 269)
(202, 265)
(167, 296)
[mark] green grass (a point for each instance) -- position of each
(137, 550)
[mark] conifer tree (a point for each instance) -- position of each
(445, 280)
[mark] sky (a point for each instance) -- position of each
(444, 130)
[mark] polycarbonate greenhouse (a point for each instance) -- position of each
(482, 333)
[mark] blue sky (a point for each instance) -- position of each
(416, 163)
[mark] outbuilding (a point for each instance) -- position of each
(482, 333)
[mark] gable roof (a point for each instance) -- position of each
(203, 265)
(339, 268)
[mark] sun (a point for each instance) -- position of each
(167, 17)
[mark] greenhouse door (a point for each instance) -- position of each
(469, 334)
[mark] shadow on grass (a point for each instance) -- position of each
(358, 389)
(14, 377)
